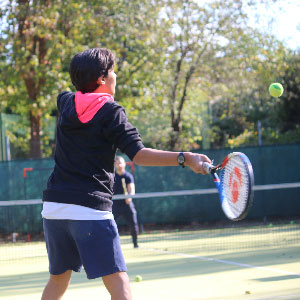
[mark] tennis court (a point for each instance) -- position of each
(244, 261)
(188, 250)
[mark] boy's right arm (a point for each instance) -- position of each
(153, 157)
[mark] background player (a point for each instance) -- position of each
(124, 184)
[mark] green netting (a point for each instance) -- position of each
(23, 219)
(13, 184)
(271, 164)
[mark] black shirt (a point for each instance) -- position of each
(85, 154)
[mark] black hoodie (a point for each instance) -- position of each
(85, 153)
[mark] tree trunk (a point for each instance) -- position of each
(175, 134)
(35, 140)
(173, 141)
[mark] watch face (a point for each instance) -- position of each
(181, 159)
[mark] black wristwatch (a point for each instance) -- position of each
(181, 159)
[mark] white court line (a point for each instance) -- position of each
(228, 262)
(204, 258)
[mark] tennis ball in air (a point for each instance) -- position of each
(276, 89)
(138, 278)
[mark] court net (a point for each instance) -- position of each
(177, 221)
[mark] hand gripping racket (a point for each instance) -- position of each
(235, 185)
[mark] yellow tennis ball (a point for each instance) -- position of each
(276, 89)
(138, 278)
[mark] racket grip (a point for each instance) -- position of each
(207, 167)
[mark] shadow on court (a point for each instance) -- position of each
(159, 267)
(278, 278)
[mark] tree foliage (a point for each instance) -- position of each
(190, 73)
(212, 60)
(40, 38)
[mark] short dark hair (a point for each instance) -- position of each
(87, 66)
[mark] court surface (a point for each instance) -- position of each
(187, 266)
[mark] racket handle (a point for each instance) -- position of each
(208, 167)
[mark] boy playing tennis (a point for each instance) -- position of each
(79, 227)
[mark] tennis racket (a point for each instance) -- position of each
(235, 184)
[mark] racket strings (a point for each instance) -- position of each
(235, 186)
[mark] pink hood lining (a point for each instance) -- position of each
(88, 104)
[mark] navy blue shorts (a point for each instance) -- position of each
(95, 245)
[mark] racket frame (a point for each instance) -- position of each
(209, 168)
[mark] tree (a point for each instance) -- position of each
(289, 110)
(212, 58)
(272, 62)
(41, 36)
(203, 49)
(236, 113)
(190, 73)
